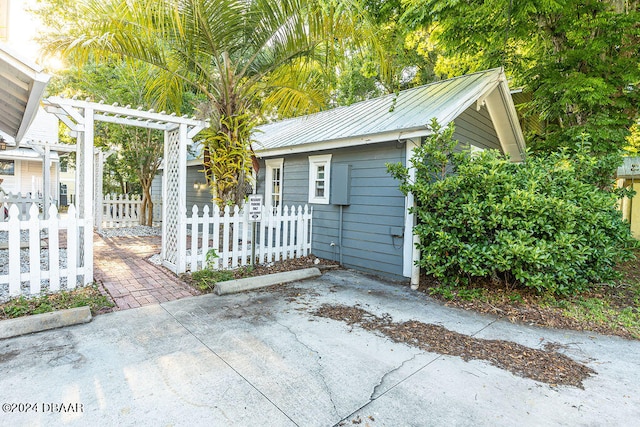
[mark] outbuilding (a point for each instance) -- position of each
(335, 161)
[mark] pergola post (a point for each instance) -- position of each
(98, 167)
(84, 188)
(46, 181)
(182, 199)
(174, 180)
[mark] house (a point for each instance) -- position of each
(21, 86)
(335, 161)
(628, 176)
(21, 168)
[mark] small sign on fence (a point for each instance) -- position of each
(255, 207)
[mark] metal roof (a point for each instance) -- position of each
(22, 84)
(406, 114)
(630, 168)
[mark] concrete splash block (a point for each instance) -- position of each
(249, 283)
(41, 322)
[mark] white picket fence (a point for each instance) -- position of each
(123, 210)
(280, 235)
(22, 201)
(34, 259)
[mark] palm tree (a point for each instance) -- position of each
(244, 56)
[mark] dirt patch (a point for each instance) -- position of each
(285, 265)
(520, 305)
(546, 365)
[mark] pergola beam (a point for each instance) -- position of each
(134, 122)
(126, 113)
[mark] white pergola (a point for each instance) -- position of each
(80, 117)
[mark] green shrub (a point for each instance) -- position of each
(540, 223)
(206, 279)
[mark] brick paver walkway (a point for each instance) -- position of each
(121, 266)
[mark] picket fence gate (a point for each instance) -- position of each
(49, 266)
(281, 234)
(123, 210)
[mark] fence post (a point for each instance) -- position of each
(54, 249)
(206, 222)
(235, 230)
(34, 250)
(14, 251)
(216, 236)
(300, 232)
(195, 220)
(308, 228)
(72, 247)
(245, 232)
(225, 238)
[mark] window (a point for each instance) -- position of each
(319, 179)
(7, 167)
(273, 183)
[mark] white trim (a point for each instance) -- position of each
(270, 165)
(410, 253)
(346, 142)
(504, 119)
(314, 163)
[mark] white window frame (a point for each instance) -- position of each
(270, 165)
(314, 163)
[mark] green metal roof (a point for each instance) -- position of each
(406, 114)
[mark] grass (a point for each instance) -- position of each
(205, 280)
(617, 308)
(88, 295)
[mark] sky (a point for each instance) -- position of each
(23, 27)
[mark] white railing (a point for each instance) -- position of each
(120, 210)
(35, 259)
(123, 210)
(22, 201)
(280, 235)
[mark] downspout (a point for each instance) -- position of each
(340, 234)
(411, 253)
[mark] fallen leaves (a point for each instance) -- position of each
(544, 365)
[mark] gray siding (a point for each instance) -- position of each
(476, 128)
(194, 197)
(376, 206)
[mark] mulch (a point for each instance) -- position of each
(547, 365)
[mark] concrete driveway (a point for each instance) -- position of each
(262, 359)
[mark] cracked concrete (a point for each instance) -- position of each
(386, 380)
(326, 388)
(261, 358)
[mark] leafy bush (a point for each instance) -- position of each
(205, 280)
(540, 223)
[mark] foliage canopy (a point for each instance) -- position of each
(244, 57)
(578, 59)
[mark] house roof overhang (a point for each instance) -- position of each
(22, 84)
(24, 153)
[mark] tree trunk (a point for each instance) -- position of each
(146, 208)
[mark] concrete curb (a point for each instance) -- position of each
(41, 322)
(249, 283)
